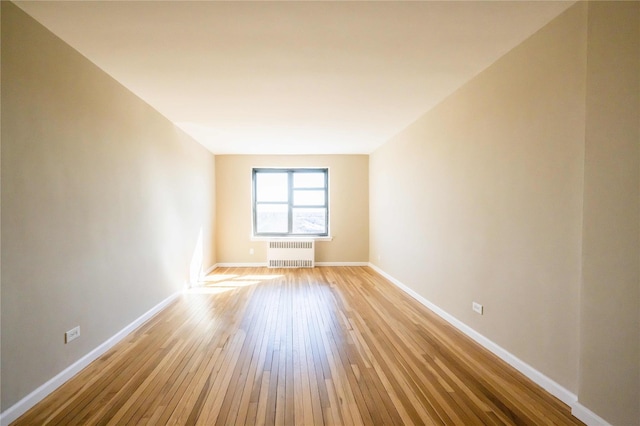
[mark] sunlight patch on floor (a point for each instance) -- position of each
(220, 283)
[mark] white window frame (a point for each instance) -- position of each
(290, 203)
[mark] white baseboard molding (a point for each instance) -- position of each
(545, 382)
(587, 416)
(242, 265)
(264, 264)
(210, 270)
(22, 406)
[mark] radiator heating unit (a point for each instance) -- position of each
(290, 254)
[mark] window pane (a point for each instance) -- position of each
(272, 187)
(272, 218)
(308, 180)
(308, 198)
(309, 221)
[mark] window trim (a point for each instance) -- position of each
(290, 205)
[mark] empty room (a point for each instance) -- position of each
(320, 213)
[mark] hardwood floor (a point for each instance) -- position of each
(286, 347)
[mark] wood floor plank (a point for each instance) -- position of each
(321, 346)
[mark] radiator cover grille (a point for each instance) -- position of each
(291, 254)
(273, 263)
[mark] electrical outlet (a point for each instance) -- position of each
(477, 307)
(72, 334)
(250, 251)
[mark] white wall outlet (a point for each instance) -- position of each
(72, 334)
(477, 307)
(250, 251)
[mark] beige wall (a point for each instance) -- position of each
(480, 200)
(348, 206)
(610, 297)
(520, 192)
(103, 202)
(0, 223)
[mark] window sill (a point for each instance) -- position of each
(297, 237)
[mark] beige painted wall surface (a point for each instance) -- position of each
(0, 222)
(480, 200)
(103, 202)
(610, 306)
(348, 206)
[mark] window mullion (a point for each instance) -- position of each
(254, 201)
(290, 202)
(326, 201)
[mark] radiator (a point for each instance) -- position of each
(290, 254)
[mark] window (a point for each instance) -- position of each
(290, 202)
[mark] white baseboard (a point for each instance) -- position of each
(545, 382)
(242, 265)
(587, 416)
(22, 406)
(264, 264)
(210, 270)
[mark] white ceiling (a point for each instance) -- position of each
(293, 77)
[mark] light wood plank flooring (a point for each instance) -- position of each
(316, 346)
